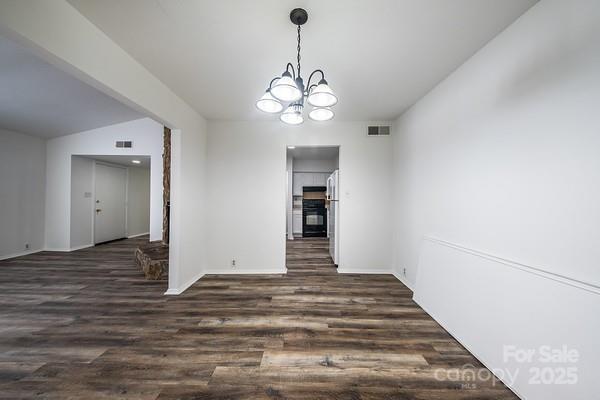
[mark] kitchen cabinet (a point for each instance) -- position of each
(321, 178)
(297, 183)
(297, 222)
(301, 179)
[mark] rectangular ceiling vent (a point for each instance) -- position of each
(378, 131)
(127, 144)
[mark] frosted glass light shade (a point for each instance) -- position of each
(269, 104)
(285, 89)
(321, 114)
(292, 115)
(322, 96)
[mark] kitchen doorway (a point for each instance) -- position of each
(312, 205)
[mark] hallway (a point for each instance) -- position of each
(309, 256)
(87, 325)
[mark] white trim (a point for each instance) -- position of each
(443, 323)
(127, 202)
(590, 287)
(354, 270)
(184, 287)
(23, 253)
(83, 246)
(61, 250)
(137, 235)
(404, 281)
(70, 249)
(93, 200)
(246, 271)
(174, 224)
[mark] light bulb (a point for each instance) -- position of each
(269, 104)
(321, 114)
(292, 115)
(285, 89)
(322, 95)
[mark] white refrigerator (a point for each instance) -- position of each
(334, 212)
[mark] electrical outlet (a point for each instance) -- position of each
(233, 263)
(404, 271)
(26, 246)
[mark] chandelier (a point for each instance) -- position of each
(287, 94)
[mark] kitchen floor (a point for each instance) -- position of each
(87, 325)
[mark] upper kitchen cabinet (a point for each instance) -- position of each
(321, 179)
(301, 179)
(298, 183)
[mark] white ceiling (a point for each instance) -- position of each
(39, 99)
(314, 152)
(123, 160)
(380, 56)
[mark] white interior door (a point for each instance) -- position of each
(110, 220)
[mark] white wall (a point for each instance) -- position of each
(22, 183)
(146, 135)
(247, 194)
(503, 157)
(306, 165)
(138, 201)
(82, 202)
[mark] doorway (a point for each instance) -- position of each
(312, 220)
(110, 198)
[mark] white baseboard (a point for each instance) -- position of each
(404, 281)
(23, 253)
(354, 270)
(84, 246)
(246, 271)
(137, 235)
(63, 250)
(184, 287)
(468, 348)
(58, 249)
(221, 271)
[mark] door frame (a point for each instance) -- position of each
(107, 164)
(290, 176)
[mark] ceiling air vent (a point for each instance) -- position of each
(378, 131)
(124, 144)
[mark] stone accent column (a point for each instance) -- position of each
(166, 183)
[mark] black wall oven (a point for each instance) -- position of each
(314, 218)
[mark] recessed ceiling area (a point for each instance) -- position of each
(380, 56)
(38, 99)
(313, 152)
(126, 161)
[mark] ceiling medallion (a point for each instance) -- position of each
(287, 94)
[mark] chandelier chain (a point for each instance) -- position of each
(298, 48)
(287, 93)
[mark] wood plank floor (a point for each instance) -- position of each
(87, 325)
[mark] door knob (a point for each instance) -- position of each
(98, 210)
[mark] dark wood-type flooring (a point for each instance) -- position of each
(87, 325)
